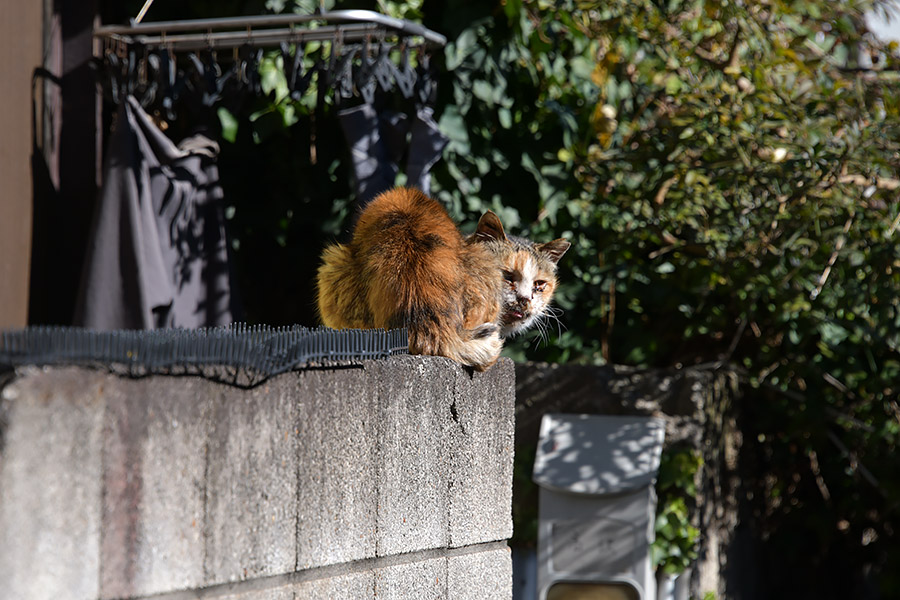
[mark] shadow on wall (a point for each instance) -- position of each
(601, 461)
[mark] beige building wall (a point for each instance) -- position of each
(20, 53)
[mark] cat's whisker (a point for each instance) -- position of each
(560, 326)
(541, 334)
(535, 337)
(542, 325)
(542, 330)
(555, 313)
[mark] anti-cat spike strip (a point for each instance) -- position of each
(256, 352)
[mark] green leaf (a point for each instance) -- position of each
(272, 78)
(673, 85)
(513, 9)
(665, 267)
(228, 123)
(505, 117)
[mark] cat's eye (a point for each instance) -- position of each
(539, 285)
(509, 276)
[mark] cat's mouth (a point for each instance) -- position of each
(513, 315)
(514, 321)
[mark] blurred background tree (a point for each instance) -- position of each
(728, 174)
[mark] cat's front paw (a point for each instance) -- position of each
(484, 347)
(485, 330)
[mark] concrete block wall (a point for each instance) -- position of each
(391, 479)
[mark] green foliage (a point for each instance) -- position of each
(728, 175)
(675, 546)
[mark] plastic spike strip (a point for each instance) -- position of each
(265, 350)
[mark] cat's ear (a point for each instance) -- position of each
(490, 228)
(554, 250)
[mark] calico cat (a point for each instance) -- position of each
(408, 265)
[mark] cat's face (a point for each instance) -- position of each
(529, 275)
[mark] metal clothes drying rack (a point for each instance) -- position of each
(366, 51)
(267, 30)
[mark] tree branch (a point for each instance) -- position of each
(839, 244)
(882, 183)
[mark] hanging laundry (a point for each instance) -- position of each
(374, 163)
(157, 255)
(426, 146)
(378, 141)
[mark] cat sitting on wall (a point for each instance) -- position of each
(409, 266)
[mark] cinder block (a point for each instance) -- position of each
(251, 482)
(154, 464)
(353, 586)
(481, 456)
(51, 426)
(425, 579)
(414, 407)
(336, 427)
(480, 576)
(285, 592)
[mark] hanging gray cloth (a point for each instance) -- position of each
(378, 142)
(426, 146)
(157, 255)
(373, 163)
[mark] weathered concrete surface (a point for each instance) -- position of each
(420, 579)
(479, 575)
(279, 593)
(326, 483)
(414, 455)
(339, 587)
(51, 485)
(679, 395)
(251, 484)
(479, 468)
(153, 485)
(337, 494)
